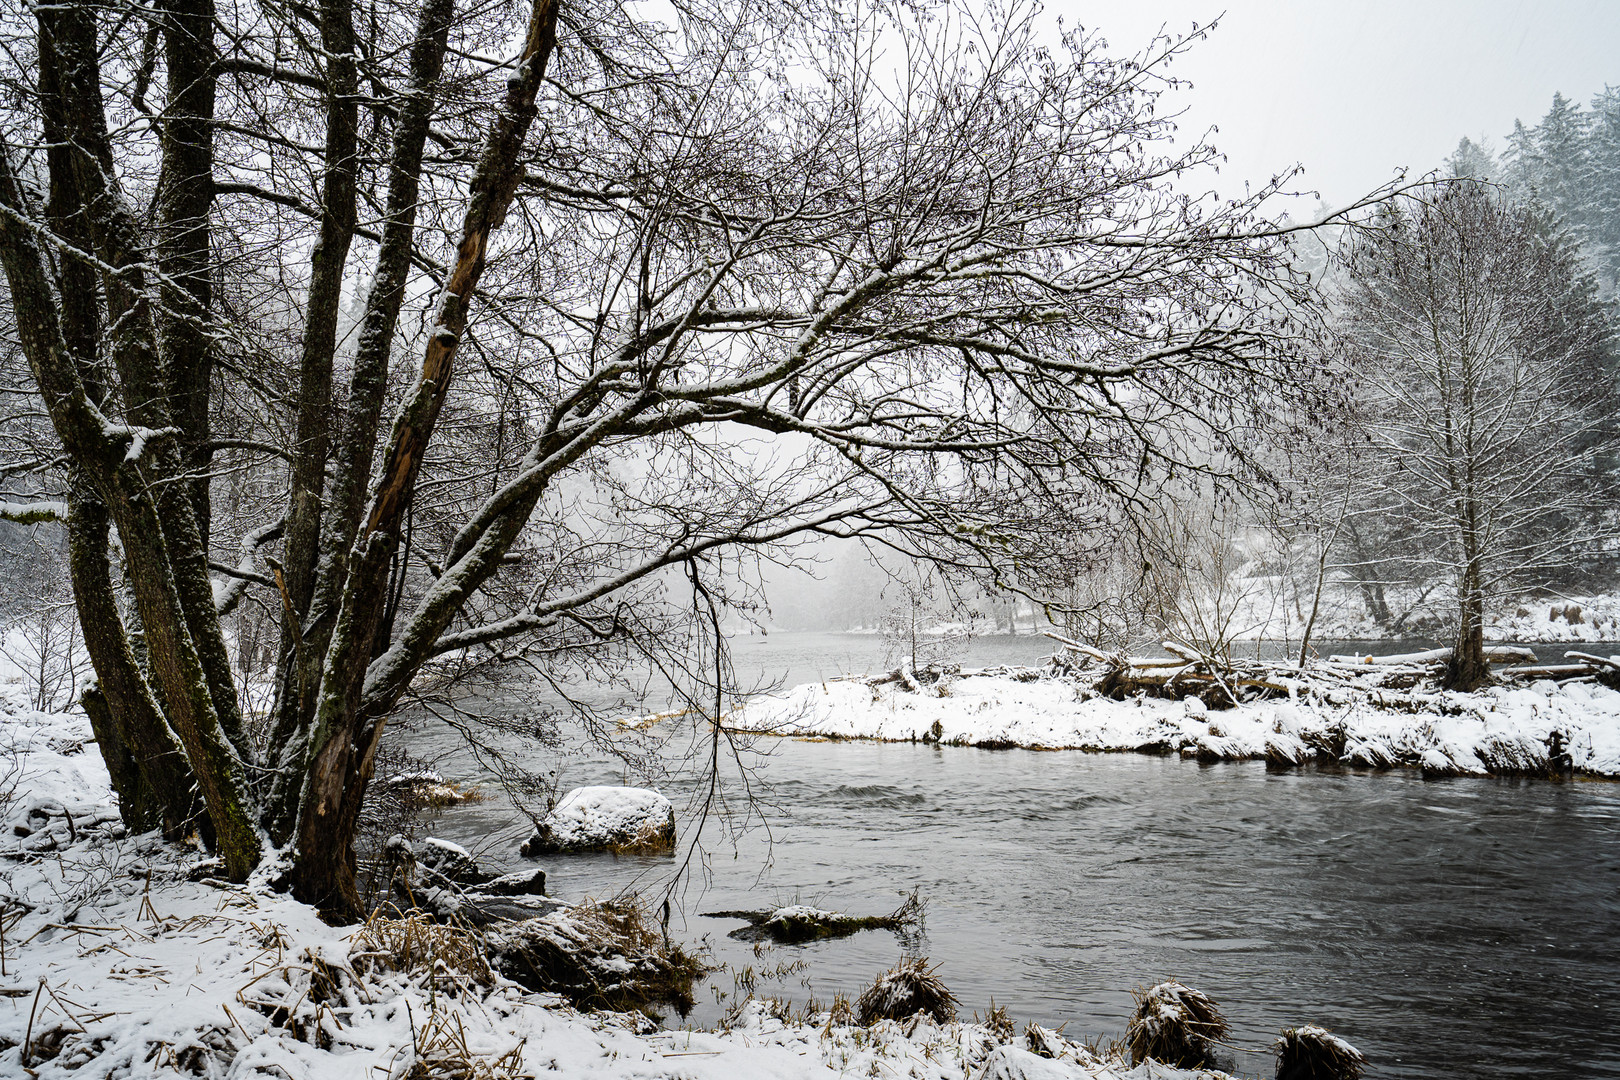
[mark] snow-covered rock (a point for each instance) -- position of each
(606, 818)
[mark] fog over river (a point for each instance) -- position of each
(1450, 929)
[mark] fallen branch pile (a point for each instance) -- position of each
(1223, 681)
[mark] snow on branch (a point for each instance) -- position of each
(31, 513)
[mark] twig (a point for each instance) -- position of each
(28, 1039)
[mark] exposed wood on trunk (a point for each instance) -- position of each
(344, 743)
(368, 384)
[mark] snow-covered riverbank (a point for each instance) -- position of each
(1500, 730)
(122, 958)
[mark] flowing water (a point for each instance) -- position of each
(1463, 928)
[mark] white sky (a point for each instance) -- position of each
(1354, 89)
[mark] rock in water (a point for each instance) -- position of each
(606, 819)
(451, 861)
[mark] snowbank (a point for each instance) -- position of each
(1500, 730)
(594, 818)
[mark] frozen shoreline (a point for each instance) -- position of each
(1500, 730)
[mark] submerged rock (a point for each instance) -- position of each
(606, 819)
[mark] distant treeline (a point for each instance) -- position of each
(1569, 163)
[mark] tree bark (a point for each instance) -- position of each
(185, 200)
(300, 672)
(368, 384)
(343, 744)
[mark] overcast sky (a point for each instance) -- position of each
(1353, 89)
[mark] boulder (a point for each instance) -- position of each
(596, 955)
(606, 819)
(522, 883)
(451, 861)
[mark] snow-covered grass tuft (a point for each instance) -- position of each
(908, 988)
(1314, 1053)
(1175, 1025)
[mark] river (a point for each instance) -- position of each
(1464, 928)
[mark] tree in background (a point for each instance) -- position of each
(1490, 395)
(1569, 163)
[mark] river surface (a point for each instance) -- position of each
(1462, 928)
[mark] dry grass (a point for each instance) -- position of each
(648, 840)
(908, 988)
(998, 1022)
(1314, 1053)
(1175, 1025)
(439, 1051)
(441, 956)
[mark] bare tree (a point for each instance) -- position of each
(1490, 396)
(681, 295)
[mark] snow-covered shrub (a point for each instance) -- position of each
(908, 988)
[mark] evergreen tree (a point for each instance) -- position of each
(1472, 161)
(1603, 190)
(1562, 165)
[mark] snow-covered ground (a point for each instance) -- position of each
(1502, 729)
(117, 963)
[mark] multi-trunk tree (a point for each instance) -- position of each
(642, 300)
(1489, 399)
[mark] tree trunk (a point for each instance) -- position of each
(1469, 669)
(340, 519)
(149, 774)
(185, 200)
(300, 669)
(343, 742)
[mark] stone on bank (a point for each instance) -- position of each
(606, 818)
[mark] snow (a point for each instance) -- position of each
(124, 959)
(44, 510)
(604, 815)
(1486, 731)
